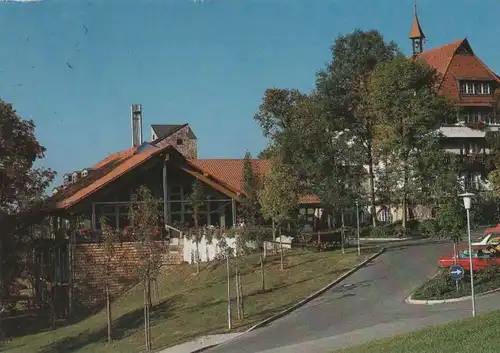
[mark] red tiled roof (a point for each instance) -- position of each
(229, 173)
(106, 171)
(452, 65)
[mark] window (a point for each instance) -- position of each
(179, 142)
(472, 116)
(85, 173)
(475, 88)
(117, 216)
(75, 177)
(471, 148)
(491, 119)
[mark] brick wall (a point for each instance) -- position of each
(189, 147)
(88, 261)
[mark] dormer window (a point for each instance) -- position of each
(85, 172)
(75, 177)
(66, 179)
(475, 88)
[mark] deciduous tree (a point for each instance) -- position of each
(145, 214)
(409, 111)
(279, 195)
(197, 201)
(343, 88)
(249, 208)
(110, 239)
(22, 191)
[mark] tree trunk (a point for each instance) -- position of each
(108, 311)
(237, 285)
(342, 234)
(53, 306)
(228, 292)
(371, 180)
(197, 258)
(263, 286)
(150, 301)
(146, 331)
(405, 197)
(282, 267)
(242, 303)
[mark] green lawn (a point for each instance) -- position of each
(191, 305)
(478, 335)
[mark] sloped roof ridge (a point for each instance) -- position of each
(458, 43)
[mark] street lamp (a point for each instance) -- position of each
(467, 197)
(357, 220)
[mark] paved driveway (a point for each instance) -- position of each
(367, 305)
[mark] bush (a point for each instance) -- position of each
(429, 227)
(443, 287)
(378, 232)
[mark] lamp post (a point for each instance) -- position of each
(357, 221)
(467, 197)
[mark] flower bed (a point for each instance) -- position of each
(443, 287)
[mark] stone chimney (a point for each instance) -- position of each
(136, 125)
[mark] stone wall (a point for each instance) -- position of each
(88, 264)
(189, 146)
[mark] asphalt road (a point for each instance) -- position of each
(367, 305)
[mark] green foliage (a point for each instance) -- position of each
(145, 214)
(249, 208)
(22, 193)
(429, 227)
(343, 88)
(443, 287)
(267, 153)
(409, 110)
(110, 237)
(379, 232)
(197, 200)
(451, 218)
(279, 195)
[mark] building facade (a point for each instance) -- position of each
(473, 88)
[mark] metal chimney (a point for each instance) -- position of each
(136, 125)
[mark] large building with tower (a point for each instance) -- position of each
(471, 86)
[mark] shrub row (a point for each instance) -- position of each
(443, 287)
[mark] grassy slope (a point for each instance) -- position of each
(480, 334)
(191, 305)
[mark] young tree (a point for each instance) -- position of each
(110, 239)
(409, 111)
(197, 202)
(343, 88)
(145, 214)
(249, 208)
(22, 191)
(279, 195)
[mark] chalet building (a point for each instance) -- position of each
(471, 85)
(168, 165)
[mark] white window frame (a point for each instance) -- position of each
(475, 88)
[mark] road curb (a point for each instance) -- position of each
(386, 239)
(409, 300)
(316, 294)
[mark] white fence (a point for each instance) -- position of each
(209, 251)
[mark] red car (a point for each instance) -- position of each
(480, 259)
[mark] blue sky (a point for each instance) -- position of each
(203, 63)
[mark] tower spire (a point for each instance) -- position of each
(417, 35)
